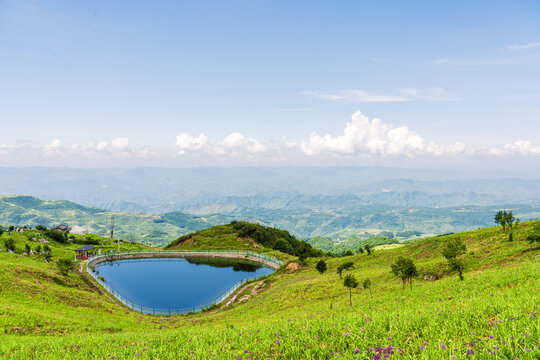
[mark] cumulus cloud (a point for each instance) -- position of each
(232, 144)
(363, 136)
(187, 143)
(117, 148)
(520, 147)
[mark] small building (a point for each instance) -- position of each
(63, 229)
(84, 252)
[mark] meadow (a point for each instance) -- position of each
(301, 314)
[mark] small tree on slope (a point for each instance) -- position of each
(405, 269)
(350, 282)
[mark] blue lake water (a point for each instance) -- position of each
(176, 283)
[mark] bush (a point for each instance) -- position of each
(64, 265)
(9, 244)
(56, 236)
(27, 248)
(534, 235)
(321, 266)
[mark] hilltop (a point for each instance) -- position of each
(302, 314)
(245, 236)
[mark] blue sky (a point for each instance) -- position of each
(129, 83)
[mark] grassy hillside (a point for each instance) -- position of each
(148, 229)
(494, 313)
(245, 236)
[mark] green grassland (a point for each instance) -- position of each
(494, 313)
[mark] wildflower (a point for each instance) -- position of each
(356, 351)
(491, 336)
(389, 338)
(443, 347)
(470, 352)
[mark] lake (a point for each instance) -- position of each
(176, 283)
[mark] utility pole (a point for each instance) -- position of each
(112, 232)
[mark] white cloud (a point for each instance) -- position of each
(401, 95)
(120, 143)
(520, 147)
(232, 144)
(187, 143)
(118, 148)
(523, 47)
(442, 62)
(294, 109)
(53, 147)
(363, 136)
(354, 96)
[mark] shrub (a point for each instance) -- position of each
(321, 266)
(64, 265)
(27, 248)
(367, 285)
(56, 236)
(534, 235)
(9, 244)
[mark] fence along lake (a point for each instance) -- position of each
(176, 283)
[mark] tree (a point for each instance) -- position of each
(64, 265)
(454, 248)
(360, 250)
(499, 218)
(348, 253)
(345, 266)
(38, 248)
(534, 235)
(509, 219)
(350, 282)
(458, 266)
(1, 230)
(47, 253)
(405, 269)
(27, 248)
(367, 285)
(369, 249)
(321, 266)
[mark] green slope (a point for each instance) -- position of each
(298, 315)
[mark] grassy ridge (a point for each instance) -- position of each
(300, 315)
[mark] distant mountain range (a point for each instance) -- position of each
(149, 229)
(336, 204)
(342, 220)
(159, 190)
